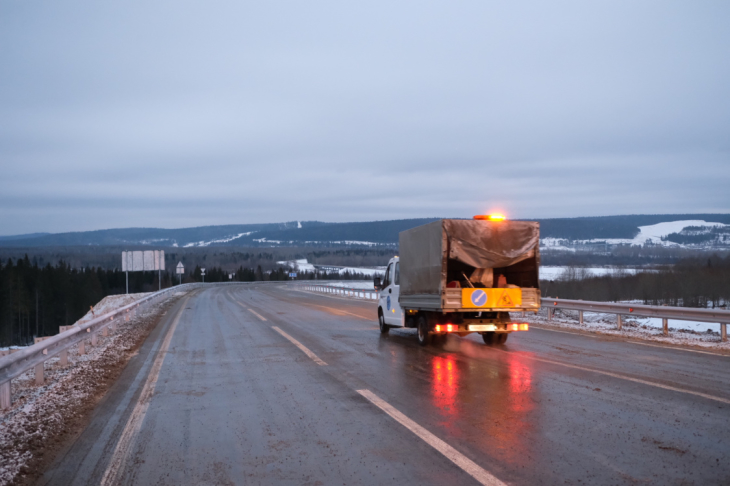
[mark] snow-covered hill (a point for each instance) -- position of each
(685, 234)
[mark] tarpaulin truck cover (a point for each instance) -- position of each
(482, 244)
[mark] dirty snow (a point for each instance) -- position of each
(110, 303)
(41, 415)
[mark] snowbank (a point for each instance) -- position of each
(111, 303)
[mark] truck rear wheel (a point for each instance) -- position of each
(489, 338)
(384, 328)
(423, 335)
(502, 338)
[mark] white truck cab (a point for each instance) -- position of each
(390, 313)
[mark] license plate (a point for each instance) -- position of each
(482, 327)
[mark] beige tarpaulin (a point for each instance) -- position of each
(491, 244)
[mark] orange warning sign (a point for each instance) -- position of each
(491, 298)
(505, 301)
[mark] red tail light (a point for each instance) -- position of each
(438, 328)
(449, 328)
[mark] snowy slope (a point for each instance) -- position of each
(651, 234)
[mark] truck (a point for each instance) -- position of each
(460, 276)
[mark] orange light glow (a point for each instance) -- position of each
(515, 327)
(491, 217)
(449, 328)
(524, 327)
(445, 385)
(438, 328)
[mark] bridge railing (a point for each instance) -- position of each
(17, 363)
(665, 313)
(367, 294)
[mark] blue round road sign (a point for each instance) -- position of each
(478, 298)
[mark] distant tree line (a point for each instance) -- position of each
(695, 282)
(623, 255)
(35, 300)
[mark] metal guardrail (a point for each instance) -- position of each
(665, 313)
(344, 291)
(14, 365)
(721, 317)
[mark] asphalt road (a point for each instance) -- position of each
(263, 384)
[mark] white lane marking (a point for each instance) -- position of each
(635, 380)
(304, 349)
(466, 464)
(254, 312)
(129, 434)
(680, 349)
(340, 310)
(257, 314)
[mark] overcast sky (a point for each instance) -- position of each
(174, 114)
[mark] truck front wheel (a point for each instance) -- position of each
(384, 328)
(423, 335)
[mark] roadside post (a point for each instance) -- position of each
(180, 269)
(202, 273)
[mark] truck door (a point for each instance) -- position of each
(391, 307)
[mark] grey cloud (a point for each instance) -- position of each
(180, 113)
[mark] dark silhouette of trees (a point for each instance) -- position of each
(695, 282)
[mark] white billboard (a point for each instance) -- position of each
(139, 261)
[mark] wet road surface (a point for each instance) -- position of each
(263, 384)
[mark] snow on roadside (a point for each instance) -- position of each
(41, 415)
(110, 303)
(685, 333)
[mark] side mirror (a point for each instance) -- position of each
(377, 283)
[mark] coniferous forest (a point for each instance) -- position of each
(693, 282)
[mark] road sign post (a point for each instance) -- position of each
(141, 261)
(202, 272)
(180, 269)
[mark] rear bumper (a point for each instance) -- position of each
(466, 328)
